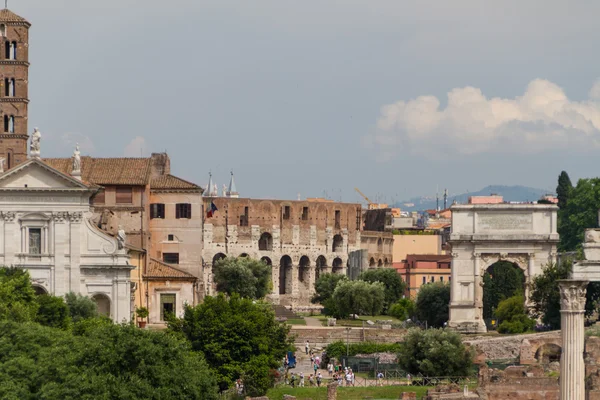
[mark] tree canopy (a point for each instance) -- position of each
(403, 309)
(502, 280)
(243, 275)
(432, 303)
(358, 297)
(394, 286)
(238, 336)
(564, 189)
(435, 353)
(579, 212)
(512, 315)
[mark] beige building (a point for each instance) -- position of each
(379, 246)
(408, 243)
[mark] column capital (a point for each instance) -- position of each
(572, 294)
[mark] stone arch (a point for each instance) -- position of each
(39, 290)
(285, 275)
(266, 260)
(338, 265)
(245, 255)
(503, 274)
(380, 263)
(386, 262)
(338, 244)
(320, 266)
(265, 243)
(548, 352)
(218, 257)
(372, 262)
(102, 304)
(304, 270)
(380, 245)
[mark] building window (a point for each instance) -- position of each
(286, 212)
(171, 258)
(170, 238)
(100, 197)
(424, 280)
(3, 30)
(10, 50)
(167, 305)
(9, 123)
(432, 279)
(304, 213)
(244, 217)
(338, 217)
(358, 218)
(124, 195)
(441, 279)
(9, 87)
(183, 210)
(35, 241)
(157, 210)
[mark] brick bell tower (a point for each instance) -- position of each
(14, 80)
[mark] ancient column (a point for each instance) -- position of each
(572, 368)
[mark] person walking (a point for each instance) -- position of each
(379, 378)
(319, 378)
(306, 347)
(311, 382)
(315, 367)
(301, 379)
(293, 380)
(330, 368)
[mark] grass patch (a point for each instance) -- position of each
(358, 322)
(347, 393)
(296, 321)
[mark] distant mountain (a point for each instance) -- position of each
(510, 193)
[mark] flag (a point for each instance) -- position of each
(212, 210)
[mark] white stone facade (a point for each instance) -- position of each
(483, 234)
(45, 228)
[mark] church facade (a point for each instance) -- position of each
(46, 228)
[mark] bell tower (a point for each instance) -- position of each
(14, 80)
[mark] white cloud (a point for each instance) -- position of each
(136, 148)
(543, 118)
(86, 145)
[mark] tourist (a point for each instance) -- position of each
(301, 379)
(239, 387)
(286, 377)
(318, 361)
(319, 377)
(379, 378)
(348, 378)
(311, 382)
(293, 380)
(315, 367)
(330, 368)
(409, 379)
(340, 379)
(306, 347)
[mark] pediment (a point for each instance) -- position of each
(34, 174)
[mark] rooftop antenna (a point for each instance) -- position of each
(5, 3)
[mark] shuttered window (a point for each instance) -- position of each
(157, 210)
(183, 210)
(124, 195)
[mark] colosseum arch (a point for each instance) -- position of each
(265, 243)
(482, 234)
(338, 265)
(338, 244)
(285, 275)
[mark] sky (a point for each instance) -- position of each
(314, 98)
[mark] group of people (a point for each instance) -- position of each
(313, 380)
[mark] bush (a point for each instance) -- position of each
(244, 276)
(403, 309)
(53, 312)
(432, 304)
(325, 286)
(394, 286)
(17, 297)
(513, 317)
(358, 297)
(435, 353)
(518, 324)
(338, 349)
(80, 307)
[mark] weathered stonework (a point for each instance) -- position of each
(524, 234)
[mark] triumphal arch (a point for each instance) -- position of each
(482, 234)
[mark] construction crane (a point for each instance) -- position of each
(372, 206)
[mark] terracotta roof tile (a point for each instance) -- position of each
(8, 16)
(172, 182)
(108, 171)
(158, 269)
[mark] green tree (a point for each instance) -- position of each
(358, 297)
(545, 294)
(232, 333)
(244, 276)
(105, 361)
(80, 307)
(324, 287)
(17, 297)
(564, 189)
(512, 315)
(432, 303)
(502, 280)
(394, 286)
(579, 213)
(435, 352)
(403, 309)
(53, 312)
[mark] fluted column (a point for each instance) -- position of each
(572, 368)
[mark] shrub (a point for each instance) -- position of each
(513, 317)
(80, 307)
(394, 286)
(432, 303)
(338, 349)
(403, 309)
(53, 312)
(358, 297)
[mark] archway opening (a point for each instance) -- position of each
(285, 275)
(218, 257)
(304, 270)
(386, 263)
(266, 260)
(380, 263)
(337, 265)
(320, 266)
(265, 243)
(548, 353)
(102, 304)
(244, 255)
(338, 243)
(372, 262)
(501, 280)
(39, 290)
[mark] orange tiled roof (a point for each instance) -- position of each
(172, 182)
(8, 16)
(158, 269)
(107, 171)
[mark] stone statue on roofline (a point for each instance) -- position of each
(76, 159)
(34, 147)
(121, 237)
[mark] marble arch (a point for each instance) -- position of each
(482, 234)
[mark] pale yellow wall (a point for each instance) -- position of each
(137, 260)
(416, 244)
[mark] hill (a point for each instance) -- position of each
(510, 193)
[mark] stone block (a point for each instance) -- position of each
(386, 327)
(331, 321)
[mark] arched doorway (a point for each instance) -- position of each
(320, 266)
(39, 290)
(285, 275)
(501, 280)
(379, 263)
(372, 262)
(218, 257)
(266, 260)
(265, 243)
(386, 263)
(102, 304)
(337, 265)
(338, 243)
(304, 270)
(548, 353)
